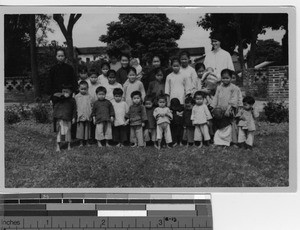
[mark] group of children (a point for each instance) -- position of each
(190, 106)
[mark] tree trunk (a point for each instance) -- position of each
(240, 48)
(255, 31)
(33, 57)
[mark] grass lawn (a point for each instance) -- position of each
(30, 161)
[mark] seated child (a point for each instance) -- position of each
(163, 116)
(150, 125)
(64, 112)
(188, 126)
(103, 116)
(246, 123)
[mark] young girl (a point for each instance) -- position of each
(137, 117)
(112, 84)
(103, 78)
(132, 85)
(200, 69)
(65, 114)
(150, 125)
(119, 130)
(157, 87)
(84, 111)
(122, 73)
(246, 123)
(114, 63)
(200, 117)
(177, 84)
(177, 121)
(189, 129)
(93, 84)
(103, 116)
(163, 116)
(224, 104)
(186, 69)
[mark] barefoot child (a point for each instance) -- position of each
(177, 121)
(188, 126)
(150, 125)
(103, 116)
(65, 114)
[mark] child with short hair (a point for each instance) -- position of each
(188, 126)
(103, 78)
(112, 84)
(93, 84)
(200, 70)
(122, 73)
(84, 111)
(114, 63)
(177, 83)
(64, 112)
(103, 116)
(119, 130)
(186, 69)
(177, 121)
(157, 87)
(150, 125)
(246, 123)
(137, 117)
(132, 85)
(163, 116)
(200, 117)
(83, 74)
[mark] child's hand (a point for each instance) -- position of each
(228, 111)
(111, 119)
(126, 122)
(143, 124)
(180, 114)
(73, 121)
(94, 120)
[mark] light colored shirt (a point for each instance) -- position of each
(103, 80)
(92, 89)
(200, 114)
(110, 88)
(247, 119)
(192, 76)
(116, 66)
(218, 60)
(227, 95)
(84, 106)
(121, 108)
(130, 87)
(177, 86)
(162, 115)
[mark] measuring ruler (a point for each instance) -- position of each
(105, 211)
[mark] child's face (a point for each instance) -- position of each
(124, 61)
(200, 72)
(161, 103)
(111, 79)
(247, 106)
(66, 92)
(131, 76)
(134, 62)
(184, 61)
(113, 60)
(156, 62)
(118, 98)
(60, 56)
(159, 76)
(176, 67)
(136, 99)
(104, 70)
(189, 106)
(226, 79)
(199, 100)
(83, 89)
(93, 78)
(83, 75)
(148, 104)
(101, 96)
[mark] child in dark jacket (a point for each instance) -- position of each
(150, 124)
(188, 126)
(177, 122)
(64, 112)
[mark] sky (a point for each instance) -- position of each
(90, 27)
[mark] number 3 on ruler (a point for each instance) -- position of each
(160, 222)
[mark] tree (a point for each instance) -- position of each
(143, 35)
(238, 28)
(268, 50)
(68, 34)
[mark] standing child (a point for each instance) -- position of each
(103, 78)
(163, 116)
(112, 84)
(150, 126)
(200, 117)
(157, 87)
(177, 83)
(65, 114)
(187, 70)
(84, 112)
(135, 62)
(132, 85)
(177, 121)
(103, 116)
(93, 84)
(188, 126)
(119, 130)
(122, 73)
(225, 103)
(114, 63)
(246, 124)
(137, 117)
(83, 74)
(200, 69)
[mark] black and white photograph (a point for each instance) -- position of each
(118, 97)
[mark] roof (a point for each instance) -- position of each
(91, 50)
(194, 51)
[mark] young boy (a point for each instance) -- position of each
(137, 117)
(119, 130)
(103, 116)
(123, 71)
(112, 84)
(163, 116)
(93, 84)
(189, 129)
(150, 126)
(65, 114)
(103, 78)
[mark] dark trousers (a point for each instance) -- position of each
(119, 133)
(177, 133)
